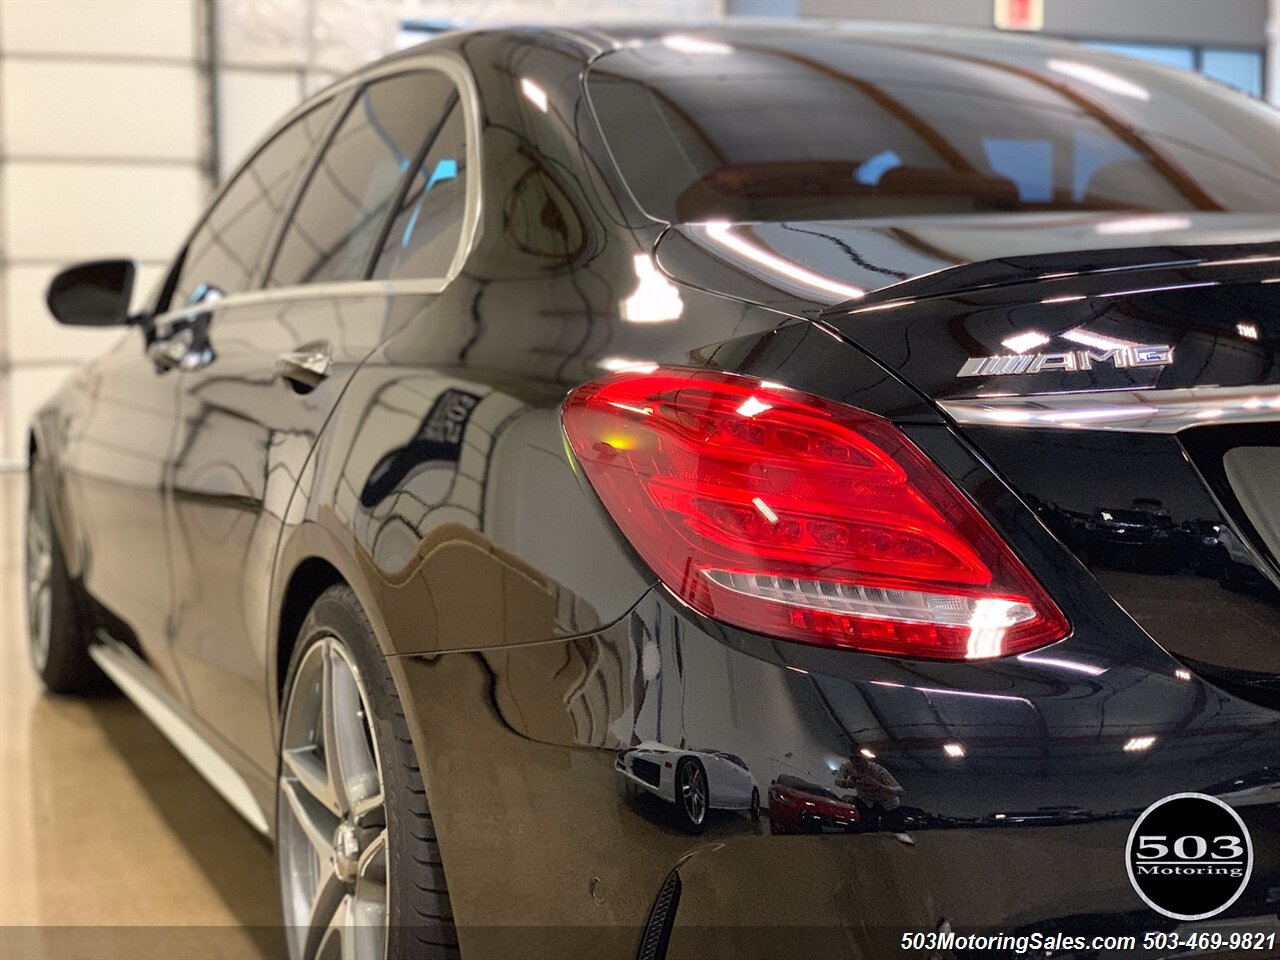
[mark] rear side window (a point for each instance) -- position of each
(225, 251)
(424, 236)
(344, 205)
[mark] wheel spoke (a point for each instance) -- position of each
(369, 904)
(328, 918)
(353, 773)
(317, 823)
(308, 771)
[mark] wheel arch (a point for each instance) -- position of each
(309, 579)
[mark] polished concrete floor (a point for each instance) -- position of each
(112, 845)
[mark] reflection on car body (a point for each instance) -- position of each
(692, 781)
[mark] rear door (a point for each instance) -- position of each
(268, 371)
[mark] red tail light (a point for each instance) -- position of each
(800, 518)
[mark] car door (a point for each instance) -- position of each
(268, 371)
(125, 405)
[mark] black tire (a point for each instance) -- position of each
(61, 660)
(755, 803)
(420, 917)
(691, 819)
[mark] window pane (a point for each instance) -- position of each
(1182, 57)
(225, 251)
(425, 234)
(356, 180)
(1241, 69)
(930, 128)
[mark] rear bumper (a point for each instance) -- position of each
(1023, 827)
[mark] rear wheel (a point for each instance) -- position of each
(59, 644)
(360, 870)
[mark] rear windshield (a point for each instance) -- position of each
(838, 128)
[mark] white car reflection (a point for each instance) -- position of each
(692, 781)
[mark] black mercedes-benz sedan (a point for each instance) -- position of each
(554, 454)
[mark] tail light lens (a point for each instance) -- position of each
(796, 517)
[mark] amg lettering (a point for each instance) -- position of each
(1122, 358)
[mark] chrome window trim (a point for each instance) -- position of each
(1123, 411)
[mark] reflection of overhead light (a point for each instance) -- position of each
(1086, 668)
(643, 411)
(1082, 336)
(1171, 286)
(953, 750)
(1247, 330)
(1182, 674)
(1138, 744)
(1097, 77)
(1211, 414)
(1149, 224)
(656, 299)
(797, 669)
(1010, 416)
(695, 46)
(617, 364)
(867, 753)
(941, 691)
(1237, 261)
(1067, 299)
(999, 816)
(751, 406)
(891, 305)
(719, 231)
(1021, 342)
(765, 512)
(534, 93)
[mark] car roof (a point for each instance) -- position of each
(592, 40)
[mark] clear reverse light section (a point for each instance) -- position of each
(799, 518)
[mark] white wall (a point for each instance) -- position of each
(101, 147)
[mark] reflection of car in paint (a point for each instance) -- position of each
(694, 781)
(1132, 538)
(1238, 571)
(797, 806)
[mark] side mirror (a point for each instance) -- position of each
(94, 294)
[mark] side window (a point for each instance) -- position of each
(428, 224)
(358, 178)
(227, 247)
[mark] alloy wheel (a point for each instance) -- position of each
(693, 791)
(332, 813)
(39, 556)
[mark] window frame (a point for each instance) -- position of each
(343, 94)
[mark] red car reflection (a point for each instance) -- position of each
(797, 806)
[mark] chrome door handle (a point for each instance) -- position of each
(173, 350)
(306, 366)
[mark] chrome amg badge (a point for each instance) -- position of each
(1144, 355)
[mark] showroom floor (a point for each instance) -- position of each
(106, 824)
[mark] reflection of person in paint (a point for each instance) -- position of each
(877, 795)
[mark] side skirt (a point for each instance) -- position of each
(136, 681)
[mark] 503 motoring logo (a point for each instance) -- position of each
(1189, 856)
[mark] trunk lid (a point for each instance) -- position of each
(1122, 376)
